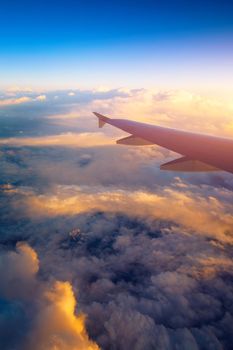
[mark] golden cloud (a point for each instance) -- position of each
(200, 214)
(15, 101)
(175, 108)
(67, 140)
(57, 326)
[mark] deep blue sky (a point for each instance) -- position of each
(62, 37)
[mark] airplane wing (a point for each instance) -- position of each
(198, 152)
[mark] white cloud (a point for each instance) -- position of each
(41, 98)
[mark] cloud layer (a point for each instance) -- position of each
(98, 248)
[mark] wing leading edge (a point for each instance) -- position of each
(199, 152)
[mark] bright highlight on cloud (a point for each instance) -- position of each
(56, 325)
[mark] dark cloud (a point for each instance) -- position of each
(141, 278)
(143, 284)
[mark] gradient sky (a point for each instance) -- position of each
(99, 249)
(63, 44)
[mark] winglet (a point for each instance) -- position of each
(102, 119)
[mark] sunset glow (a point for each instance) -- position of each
(99, 248)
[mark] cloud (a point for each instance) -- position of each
(145, 277)
(66, 140)
(14, 90)
(72, 110)
(196, 212)
(14, 101)
(144, 283)
(41, 98)
(53, 321)
(147, 254)
(141, 284)
(175, 108)
(56, 325)
(18, 269)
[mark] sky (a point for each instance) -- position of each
(99, 249)
(76, 44)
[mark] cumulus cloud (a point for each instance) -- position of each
(41, 98)
(43, 311)
(173, 108)
(195, 211)
(56, 325)
(144, 283)
(178, 109)
(18, 269)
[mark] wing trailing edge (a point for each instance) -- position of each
(187, 165)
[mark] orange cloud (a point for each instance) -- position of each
(175, 108)
(67, 140)
(209, 267)
(15, 101)
(57, 326)
(197, 213)
(19, 100)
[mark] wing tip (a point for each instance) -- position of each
(102, 119)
